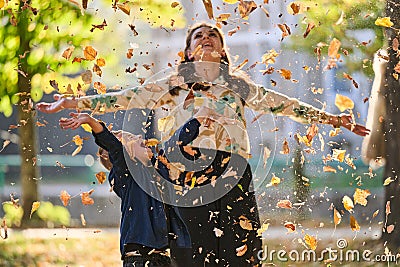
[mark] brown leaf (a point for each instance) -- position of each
(100, 87)
(68, 52)
(96, 69)
(65, 197)
(246, 7)
(133, 29)
(101, 62)
(360, 196)
(295, 8)
(291, 227)
(287, 74)
(285, 147)
(284, 204)
(311, 132)
(77, 59)
(5, 143)
(337, 218)
(87, 77)
(54, 84)
(101, 177)
(86, 199)
(84, 4)
(310, 26)
(354, 224)
(4, 227)
(240, 251)
(245, 223)
(209, 8)
(285, 30)
(334, 48)
(100, 26)
(129, 54)
(125, 8)
(89, 53)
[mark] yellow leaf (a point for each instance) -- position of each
(269, 57)
(101, 62)
(245, 223)
(384, 22)
(77, 140)
(274, 181)
(2, 3)
(101, 88)
(338, 154)
(354, 224)
(360, 196)
(86, 127)
(333, 48)
(101, 177)
(375, 214)
(89, 53)
(151, 142)
(387, 181)
(35, 206)
(231, 1)
(337, 218)
(310, 241)
(348, 203)
(264, 227)
(165, 124)
(343, 102)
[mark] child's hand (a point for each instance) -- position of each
(76, 120)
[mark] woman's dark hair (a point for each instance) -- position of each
(237, 84)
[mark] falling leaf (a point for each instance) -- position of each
(338, 154)
(287, 74)
(284, 204)
(89, 53)
(245, 8)
(54, 84)
(68, 52)
(100, 87)
(245, 223)
(354, 224)
(240, 251)
(77, 140)
(49, 149)
(86, 199)
(384, 22)
(343, 102)
(60, 164)
(87, 77)
(387, 208)
(334, 48)
(269, 57)
(274, 181)
(99, 26)
(76, 151)
(310, 26)
(264, 227)
(337, 218)
(241, 65)
(165, 124)
(5, 143)
(151, 142)
(231, 1)
(348, 203)
(124, 8)
(86, 127)
(388, 181)
(189, 100)
(101, 177)
(223, 17)
(291, 227)
(375, 214)
(209, 8)
(35, 206)
(101, 62)
(266, 155)
(218, 232)
(97, 70)
(65, 197)
(83, 221)
(4, 227)
(360, 196)
(285, 147)
(310, 241)
(328, 168)
(390, 228)
(285, 30)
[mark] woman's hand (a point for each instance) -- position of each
(60, 103)
(346, 121)
(77, 119)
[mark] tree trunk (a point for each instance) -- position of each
(27, 131)
(392, 133)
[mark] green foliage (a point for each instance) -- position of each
(343, 20)
(52, 215)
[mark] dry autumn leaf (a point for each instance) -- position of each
(231, 1)
(5, 143)
(100, 87)
(348, 203)
(337, 218)
(3, 227)
(269, 57)
(285, 147)
(360, 196)
(287, 74)
(384, 22)
(68, 52)
(328, 168)
(240, 251)
(218, 232)
(310, 241)
(101, 177)
(86, 199)
(165, 124)
(245, 223)
(338, 154)
(87, 76)
(310, 26)
(209, 8)
(35, 207)
(284, 204)
(388, 181)
(65, 197)
(246, 7)
(83, 221)
(264, 227)
(291, 227)
(333, 48)
(343, 102)
(354, 224)
(151, 142)
(89, 53)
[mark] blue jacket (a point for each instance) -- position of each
(143, 218)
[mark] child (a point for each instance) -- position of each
(145, 221)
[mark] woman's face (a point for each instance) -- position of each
(206, 45)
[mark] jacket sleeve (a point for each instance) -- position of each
(151, 95)
(119, 172)
(269, 101)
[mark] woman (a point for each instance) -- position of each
(219, 207)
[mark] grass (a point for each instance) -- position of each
(89, 249)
